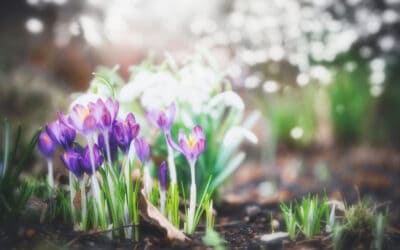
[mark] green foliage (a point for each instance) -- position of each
(306, 217)
(380, 223)
(214, 240)
(351, 104)
(359, 217)
(311, 213)
(387, 119)
(13, 193)
(290, 109)
(221, 115)
(362, 224)
(289, 216)
(224, 134)
(172, 206)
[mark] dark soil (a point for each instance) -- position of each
(241, 224)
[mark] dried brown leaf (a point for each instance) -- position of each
(152, 215)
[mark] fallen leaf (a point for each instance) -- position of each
(77, 200)
(152, 215)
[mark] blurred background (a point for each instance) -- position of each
(323, 73)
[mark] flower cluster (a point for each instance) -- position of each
(190, 146)
(105, 133)
(108, 138)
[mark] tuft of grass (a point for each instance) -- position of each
(359, 218)
(306, 217)
(362, 226)
(290, 220)
(213, 239)
(13, 158)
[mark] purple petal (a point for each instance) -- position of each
(61, 134)
(112, 107)
(86, 162)
(64, 120)
(171, 142)
(162, 121)
(46, 145)
(185, 149)
(133, 131)
(106, 120)
(89, 124)
(163, 176)
(152, 116)
(130, 119)
(142, 149)
(199, 147)
(71, 159)
(198, 132)
(171, 114)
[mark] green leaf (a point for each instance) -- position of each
(228, 170)
(6, 152)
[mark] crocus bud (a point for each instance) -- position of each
(61, 134)
(113, 145)
(142, 149)
(46, 145)
(163, 176)
(85, 159)
(72, 160)
(125, 131)
(163, 119)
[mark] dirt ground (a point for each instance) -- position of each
(246, 211)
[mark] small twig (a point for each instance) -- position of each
(230, 224)
(385, 203)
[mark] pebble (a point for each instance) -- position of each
(29, 233)
(252, 210)
(274, 237)
(275, 224)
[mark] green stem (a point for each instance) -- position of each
(72, 196)
(147, 180)
(83, 205)
(162, 200)
(171, 164)
(192, 203)
(107, 143)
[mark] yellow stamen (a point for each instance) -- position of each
(83, 113)
(191, 141)
(46, 138)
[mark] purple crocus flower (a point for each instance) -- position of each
(46, 145)
(162, 119)
(142, 149)
(85, 159)
(72, 160)
(191, 146)
(80, 119)
(125, 131)
(61, 134)
(113, 108)
(104, 113)
(163, 176)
